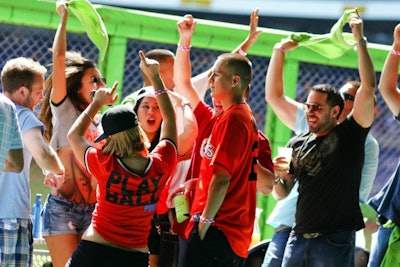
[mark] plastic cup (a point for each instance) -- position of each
(285, 152)
(181, 208)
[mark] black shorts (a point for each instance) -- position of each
(91, 254)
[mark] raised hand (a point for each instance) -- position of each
(186, 26)
(396, 36)
(253, 32)
(106, 96)
(62, 8)
(150, 67)
(356, 26)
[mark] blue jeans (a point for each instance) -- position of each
(328, 250)
(381, 246)
(276, 248)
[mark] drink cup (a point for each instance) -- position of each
(181, 207)
(285, 152)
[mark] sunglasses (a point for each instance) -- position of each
(313, 107)
(98, 80)
(347, 97)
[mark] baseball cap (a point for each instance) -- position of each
(133, 98)
(117, 119)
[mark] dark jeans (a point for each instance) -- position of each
(328, 250)
(213, 251)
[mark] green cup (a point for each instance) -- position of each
(181, 207)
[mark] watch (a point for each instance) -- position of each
(278, 180)
(362, 42)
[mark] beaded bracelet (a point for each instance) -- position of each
(160, 92)
(395, 52)
(184, 48)
(58, 176)
(205, 220)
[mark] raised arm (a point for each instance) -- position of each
(79, 144)
(363, 111)
(151, 69)
(182, 66)
(284, 107)
(200, 82)
(188, 134)
(253, 34)
(59, 49)
(388, 83)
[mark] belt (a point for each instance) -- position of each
(282, 228)
(311, 235)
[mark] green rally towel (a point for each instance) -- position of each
(392, 255)
(92, 22)
(331, 45)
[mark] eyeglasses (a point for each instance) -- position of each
(313, 107)
(98, 80)
(347, 97)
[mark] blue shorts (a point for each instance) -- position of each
(60, 216)
(16, 242)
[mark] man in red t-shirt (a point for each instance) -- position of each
(223, 209)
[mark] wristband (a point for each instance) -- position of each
(58, 176)
(279, 46)
(362, 42)
(87, 115)
(395, 52)
(186, 103)
(160, 92)
(278, 180)
(183, 48)
(240, 51)
(205, 220)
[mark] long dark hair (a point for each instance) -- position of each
(75, 68)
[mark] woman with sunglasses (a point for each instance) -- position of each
(68, 208)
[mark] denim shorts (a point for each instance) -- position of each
(61, 216)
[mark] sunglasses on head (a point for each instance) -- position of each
(98, 80)
(347, 97)
(313, 107)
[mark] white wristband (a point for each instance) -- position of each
(240, 51)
